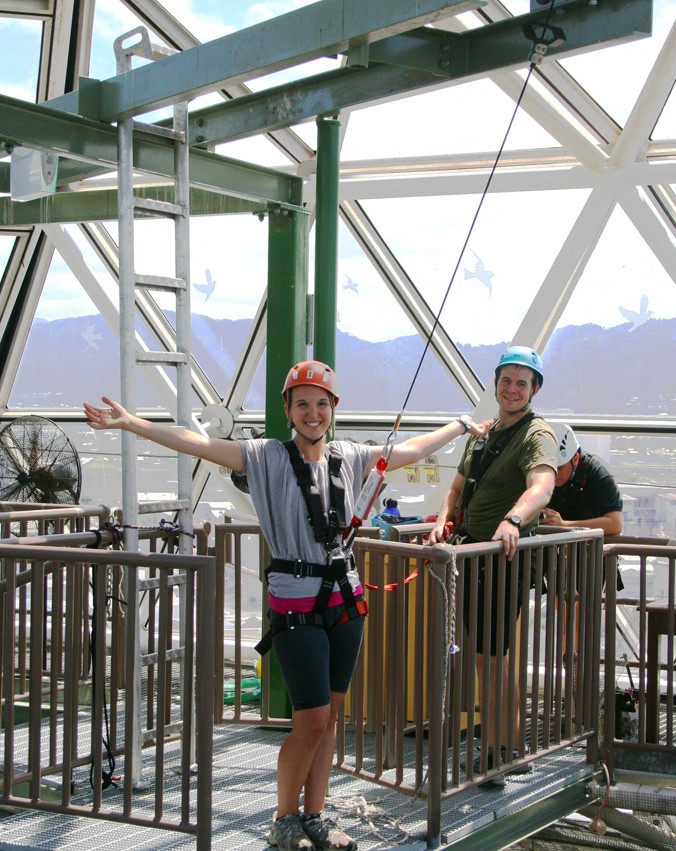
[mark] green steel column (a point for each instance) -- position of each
(326, 240)
(286, 345)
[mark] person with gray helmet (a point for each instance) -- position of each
(585, 493)
(504, 480)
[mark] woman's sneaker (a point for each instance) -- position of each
(325, 833)
(287, 834)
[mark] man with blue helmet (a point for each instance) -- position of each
(504, 480)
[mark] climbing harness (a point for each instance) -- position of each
(338, 561)
(325, 531)
(483, 455)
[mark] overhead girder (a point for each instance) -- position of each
(378, 184)
(417, 60)
(153, 14)
(312, 32)
(101, 205)
(22, 123)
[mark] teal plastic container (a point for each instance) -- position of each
(385, 521)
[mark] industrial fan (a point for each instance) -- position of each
(38, 463)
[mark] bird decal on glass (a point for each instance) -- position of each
(481, 274)
(207, 288)
(637, 318)
(90, 337)
(351, 285)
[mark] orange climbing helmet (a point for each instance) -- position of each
(312, 372)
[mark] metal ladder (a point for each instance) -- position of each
(131, 283)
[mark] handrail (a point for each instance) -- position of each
(46, 630)
(407, 683)
(644, 739)
(30, 512)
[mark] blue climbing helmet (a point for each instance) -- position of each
(522, 356)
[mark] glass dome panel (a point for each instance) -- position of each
(20, 65)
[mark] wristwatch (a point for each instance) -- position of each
(464, 420)
(515, 520)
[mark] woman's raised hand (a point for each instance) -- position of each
(114, 416)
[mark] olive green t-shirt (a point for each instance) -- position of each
(505, 480)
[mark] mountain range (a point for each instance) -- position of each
(589, 370)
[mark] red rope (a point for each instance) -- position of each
(390, 586)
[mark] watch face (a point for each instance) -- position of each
(514, 519)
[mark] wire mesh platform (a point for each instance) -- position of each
(244, 799)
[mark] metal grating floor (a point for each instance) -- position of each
(244, 798)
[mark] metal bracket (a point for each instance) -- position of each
(143, 47)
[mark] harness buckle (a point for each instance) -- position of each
(298, 570)
(291, 620)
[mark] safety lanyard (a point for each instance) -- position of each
(373, 485)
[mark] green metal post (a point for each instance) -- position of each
(286, 345)
(326, 241)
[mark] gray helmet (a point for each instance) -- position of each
(566, 441)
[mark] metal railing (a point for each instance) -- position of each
(53, 600)
(411, 720)
(640, 657)
(90, 527)
(38, 521)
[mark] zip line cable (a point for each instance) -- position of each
(533, 56)
(375, 479)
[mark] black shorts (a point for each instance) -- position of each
(509, 566)
(315, 660)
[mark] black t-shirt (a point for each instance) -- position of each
(591, 492)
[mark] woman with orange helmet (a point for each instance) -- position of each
(304, 492)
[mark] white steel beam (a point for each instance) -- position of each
(634, 139)
(640, 209)
(27, 8)
(552, 298)
(521, 180)
(22, 288)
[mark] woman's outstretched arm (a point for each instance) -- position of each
(226, 453)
